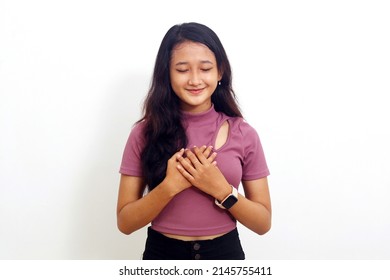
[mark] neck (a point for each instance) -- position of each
(197, 109)
(205, 117)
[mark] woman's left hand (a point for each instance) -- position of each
(202, 173)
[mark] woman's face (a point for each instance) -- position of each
(194, 75)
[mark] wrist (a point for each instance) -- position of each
(230, 200)
(224, 192)
(169, 188)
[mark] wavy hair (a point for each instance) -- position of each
(163, 130)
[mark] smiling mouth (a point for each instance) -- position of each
(196, 91)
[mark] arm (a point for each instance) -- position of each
(134, 210)
(252, 210)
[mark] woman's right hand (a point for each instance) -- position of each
(174, 177)
(135, 210)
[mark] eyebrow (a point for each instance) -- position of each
(185, 63)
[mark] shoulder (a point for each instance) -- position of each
(242, 127)
(136, 137)
(137, 130)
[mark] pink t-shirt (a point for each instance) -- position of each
(192, 212)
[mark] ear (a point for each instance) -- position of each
(220, 75)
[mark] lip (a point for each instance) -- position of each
(196, 90)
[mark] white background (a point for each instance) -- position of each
(311, 76)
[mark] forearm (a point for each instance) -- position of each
(252, 210)
(253, 215)
(137, 214)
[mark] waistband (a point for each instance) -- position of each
(158, 236)
(160, 247)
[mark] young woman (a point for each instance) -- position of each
(191, 150)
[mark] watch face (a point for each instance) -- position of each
(229, 202)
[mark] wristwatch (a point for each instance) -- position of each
(228, 201)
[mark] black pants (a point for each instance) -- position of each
(225, 247)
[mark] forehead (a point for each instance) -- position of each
(191, 51)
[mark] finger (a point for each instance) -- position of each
(208, 151)
(185, 173)
(180, 153)
(187, 163)
(200, 150)
(176, 155)
(200, 156)
(192, 157)
(203, 148)
(212, 157)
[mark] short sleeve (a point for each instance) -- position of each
(131, 159)
(254, 162)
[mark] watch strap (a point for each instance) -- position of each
(234, 193)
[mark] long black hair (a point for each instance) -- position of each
(163, 130)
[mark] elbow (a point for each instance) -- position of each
(126, 232)
(123, 228)
(263, 227)
(265, 224)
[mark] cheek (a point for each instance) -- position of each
(212, 76)
(212, 80)
(175, 79)
(176, 84)
(178, 81)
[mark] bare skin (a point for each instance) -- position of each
(131, 199)
(194, 77)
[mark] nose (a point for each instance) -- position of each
(195, 79)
